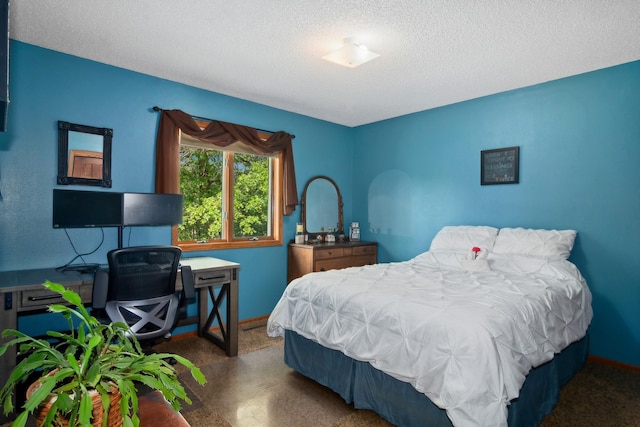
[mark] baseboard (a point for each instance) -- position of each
(625, 366)
(259, 319)
(242, 324)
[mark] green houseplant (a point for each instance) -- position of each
(92, 356)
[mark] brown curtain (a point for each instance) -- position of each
(220, 134)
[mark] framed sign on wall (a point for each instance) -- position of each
(499, 166)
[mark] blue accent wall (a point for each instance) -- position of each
(579, 142)
(47, 86)
(402, 178)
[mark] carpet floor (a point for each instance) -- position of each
(258, 389)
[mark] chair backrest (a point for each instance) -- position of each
(141, 289)
(142, 272)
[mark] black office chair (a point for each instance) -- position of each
(139, 289)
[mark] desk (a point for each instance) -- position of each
(22, 294)
(209, 274)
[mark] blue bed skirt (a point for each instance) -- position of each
(400, 404)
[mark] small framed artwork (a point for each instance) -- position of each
(499, 166)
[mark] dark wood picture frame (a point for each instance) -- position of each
(500, 166)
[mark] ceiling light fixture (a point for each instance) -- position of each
(351, 54)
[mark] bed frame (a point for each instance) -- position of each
(400, 404)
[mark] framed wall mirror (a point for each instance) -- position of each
(321, 206)
(84, 155)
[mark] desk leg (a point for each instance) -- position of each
(203, 307)
(228, 337)
(8, 320)
(232, 315)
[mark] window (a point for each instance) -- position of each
(232, 199)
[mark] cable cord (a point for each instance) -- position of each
(84, 264)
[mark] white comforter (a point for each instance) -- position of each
(466, 339)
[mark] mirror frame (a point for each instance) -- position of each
(63, 154)
(303, 203)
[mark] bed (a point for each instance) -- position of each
(451, 337)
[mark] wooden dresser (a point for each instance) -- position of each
(305, 258)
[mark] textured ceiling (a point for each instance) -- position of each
(433, 53)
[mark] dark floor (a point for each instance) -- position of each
(256, 388)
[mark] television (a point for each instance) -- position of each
(151, 209)
(84, 209)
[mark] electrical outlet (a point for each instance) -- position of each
(8, 301)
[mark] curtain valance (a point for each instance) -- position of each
(219, 134)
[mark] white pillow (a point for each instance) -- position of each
(545, 243)
(464, 237)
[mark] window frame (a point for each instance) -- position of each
(230, 242)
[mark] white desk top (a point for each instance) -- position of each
(207, 263)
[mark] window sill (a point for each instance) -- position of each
(238, 244)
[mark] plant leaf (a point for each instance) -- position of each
(196, 373)
(21, 420)
(95, 340)
(39, 396)
(55, 287)
(86, 410)
(92, 355)
(73, 362)
(64, 402)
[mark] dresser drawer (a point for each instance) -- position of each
(364, 250)
(329, 253)
(333, 264)
(360, 250)
(344, 262)
(366, 259)
(305, 258)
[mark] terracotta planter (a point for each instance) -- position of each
(114, 418)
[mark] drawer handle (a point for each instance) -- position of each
(322, 269)
(43, 297)
(212, 277)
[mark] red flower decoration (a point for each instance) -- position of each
(475, 251)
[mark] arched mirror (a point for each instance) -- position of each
(84, 155)
(321, 206)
